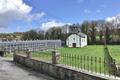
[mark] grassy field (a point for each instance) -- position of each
(115, 52)
(91, 51)
(95, 51)
(42, 55)
(9, 55)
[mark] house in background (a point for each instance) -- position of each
(77, 40)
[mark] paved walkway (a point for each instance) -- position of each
(10, 71)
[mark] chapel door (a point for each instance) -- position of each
(74, 45)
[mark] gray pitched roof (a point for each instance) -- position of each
(82, 35)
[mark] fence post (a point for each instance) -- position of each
(84, 62)
(28, 53)
(118, 71)
(91, 64)
(81, 62)
(14, 53)
(96, 64)
(100, 62)
(55, 57)
(114, 68)
(88, 62)
(4, 52)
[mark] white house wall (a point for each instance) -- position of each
(73, 39)
(80, 41)
(84, 41)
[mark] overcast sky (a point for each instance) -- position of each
(23, 15)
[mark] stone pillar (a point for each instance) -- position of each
(28, 53)
(55, 57)
(14, 53)
(118, 68)
(118, 72)
(4, 52)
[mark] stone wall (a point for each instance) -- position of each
(57, 71)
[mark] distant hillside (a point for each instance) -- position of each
(11, 36)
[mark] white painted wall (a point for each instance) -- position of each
(73, 39)
(84, 41)
(80, 42)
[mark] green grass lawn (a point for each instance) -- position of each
(9, 55)
(115, 52)
(95, 51)
(42, 55)
(90, 50)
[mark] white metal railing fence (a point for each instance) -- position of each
(34, 45)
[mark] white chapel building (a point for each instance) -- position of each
(77, 40)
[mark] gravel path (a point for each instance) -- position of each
(10, 71)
